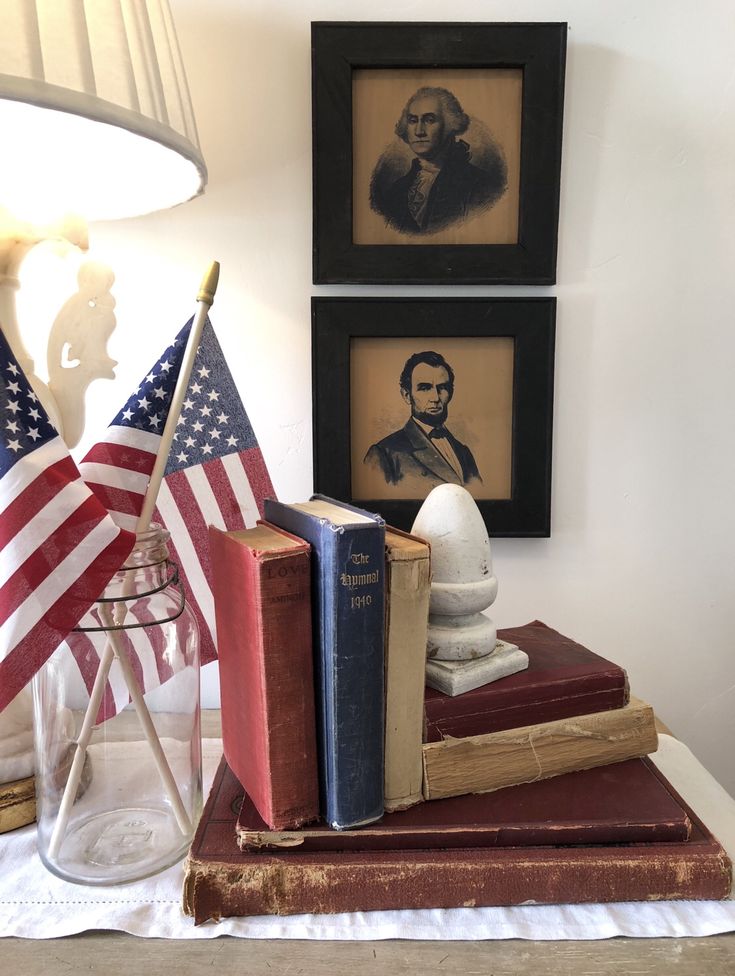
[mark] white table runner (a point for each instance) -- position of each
(35, 904)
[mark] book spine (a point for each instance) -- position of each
(348, 606)
(567, 704)
(353, 654)
(310, 529)
(17, 804)
(449, 837)
(263, 614)
(243, 742)
(284, 616)
(480, 763)
(407, 614)
(293, 883)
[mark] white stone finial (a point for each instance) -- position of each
(463, 650)
(462, 575)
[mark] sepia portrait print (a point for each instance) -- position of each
(412, 393)
(431, 411)
(425, 447)
(436, 155)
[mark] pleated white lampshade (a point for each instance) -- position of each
(95, 113)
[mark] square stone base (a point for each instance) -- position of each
(456, 677)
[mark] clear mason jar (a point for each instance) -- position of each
(119, 782)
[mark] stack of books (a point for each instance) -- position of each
(571, 709)
(347, 786)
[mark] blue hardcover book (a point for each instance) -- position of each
(348, 608)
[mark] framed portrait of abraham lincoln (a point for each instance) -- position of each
(414, 393)
(437, 152)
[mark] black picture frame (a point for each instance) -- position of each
(338, 49)
(529, 322)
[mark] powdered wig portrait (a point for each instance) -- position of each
(429, 178)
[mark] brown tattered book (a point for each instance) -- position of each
(223, 881)
(626, 802)
(17, 804)
(262, 600)
(480, 763)
(563, 679)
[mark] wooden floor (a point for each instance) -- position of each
(111, 953)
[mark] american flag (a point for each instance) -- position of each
(59, 547)
(215, 475)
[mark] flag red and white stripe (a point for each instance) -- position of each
(58, 545)
(228, 493)
(118, 469)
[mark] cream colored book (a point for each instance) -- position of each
(408, 584)
(17, 804)
(481, 763)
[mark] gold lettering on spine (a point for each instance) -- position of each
(353, 580)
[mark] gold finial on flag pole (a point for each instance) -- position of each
(208, 286)
(205, 298)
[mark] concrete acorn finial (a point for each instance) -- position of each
(462, 650)
(462, 581)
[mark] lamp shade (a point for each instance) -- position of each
(95, 113)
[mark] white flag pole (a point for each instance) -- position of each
(205, 299)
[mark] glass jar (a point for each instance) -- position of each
(117, 734)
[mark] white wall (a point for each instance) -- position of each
(639, 564)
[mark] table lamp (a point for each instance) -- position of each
(96, 124)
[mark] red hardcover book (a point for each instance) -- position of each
(626, 802)
(263, 614)
(222, 881)
(563, 679)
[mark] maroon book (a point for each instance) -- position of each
(222, 881)
(563, 679)
(263, 614)
(626, 802)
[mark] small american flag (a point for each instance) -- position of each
(216, 473)
(59, 547)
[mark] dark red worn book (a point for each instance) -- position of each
(263, 612)
(624, 802)
(222, 881)
(563, 679)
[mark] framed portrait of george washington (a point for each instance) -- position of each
(411, 393)
(436, 152)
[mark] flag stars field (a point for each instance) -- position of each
(21, 421)
(215, 475)
(58, 545)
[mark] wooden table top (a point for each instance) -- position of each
(111, 952)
